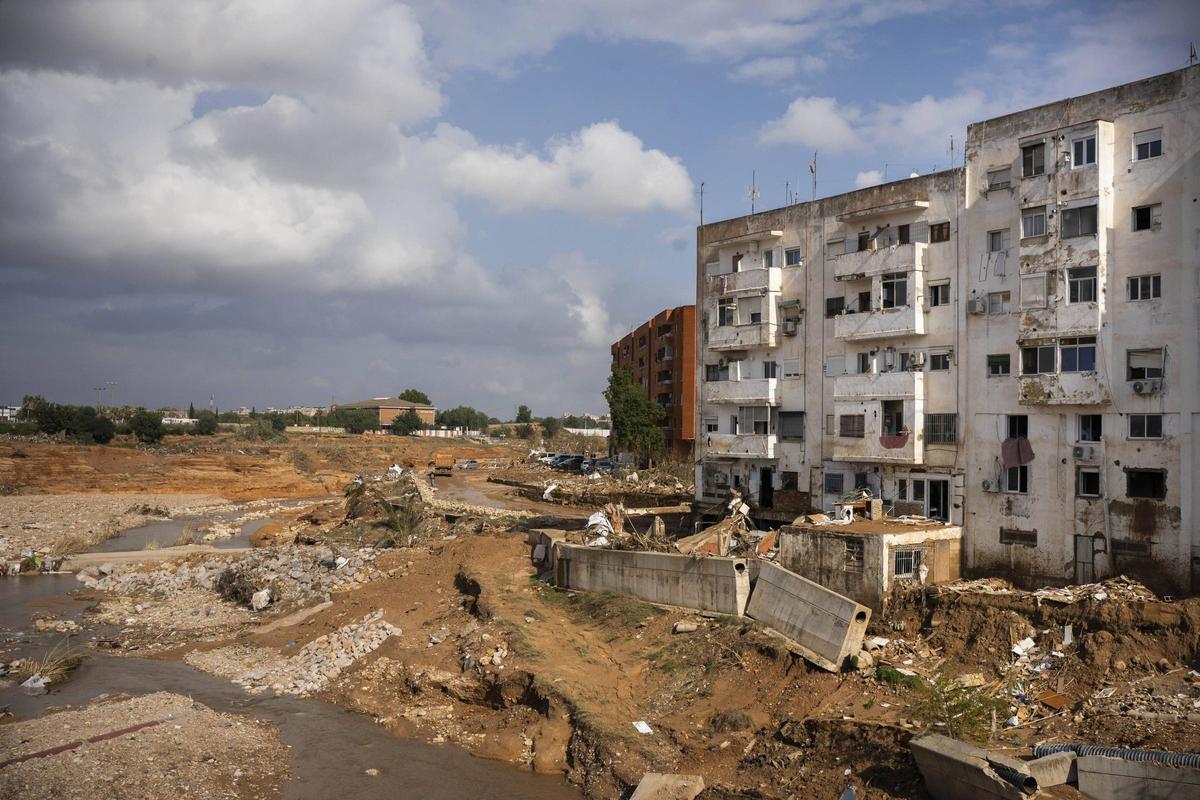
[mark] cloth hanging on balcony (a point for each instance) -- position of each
(1015, 451)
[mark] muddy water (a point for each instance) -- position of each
(331, 748)
(164, 533)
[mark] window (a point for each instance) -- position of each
(1018, 426)
(1014, 536)
(1127, 548)
(736, 262)
(726, 310)
(789, 481)
(1081, 285)
(1147, 217)
(754, 420)
(1143, 364)
(1087, 482)
(711, 425)
(1077, 354)
(864, 301)
(750, 310)
(830, 425)
(895, 289)
(854, 555)
(791, 368)
(793, 257)
(768, 259)
(864, 363)
(716, 372)
(1016, 480)
(1147, 144)
(835, 365)
(1033, 222)
(893, 418)
(664, 376)
(1033, 290)
(905, 563)
(1037, 360)
(1145, 287)
(834, 306)
(1147, 483)
(939, 232)
(1091, 427)
(941, 428)
(1083, 151)
(998, 241)
(864, 241)
(998, 364)
(770, 369)
(939, 362)
(1078, 221)
(791, 425)
(852, 426)
(1033, 160)
(834, 483)
(999, 302)
(904, 234)
(999, 178)
(642, 341)
(1145, 426)
(939, 294)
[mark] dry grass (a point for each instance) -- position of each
(187, 537)
(55, 666)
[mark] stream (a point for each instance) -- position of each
(331, 747)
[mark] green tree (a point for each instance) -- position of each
(206, 424)
(406, 423)
(636, 419)
(191, 411)
(102, 430)
(147, 426)
(524, 431)
(415, 396)
(551, 426)
(463, 417)
(524, 414)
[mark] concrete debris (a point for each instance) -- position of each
(684, 627)
(661, 786)
(260, 600)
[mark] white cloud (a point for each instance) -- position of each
(818, 122)
(602, 170)
(870, 177)
(766, 69)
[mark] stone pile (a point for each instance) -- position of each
(312, 669)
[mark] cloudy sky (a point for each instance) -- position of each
(281, 202)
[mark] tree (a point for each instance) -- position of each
(525, 431)
(206, 424)
(463, 417)
(551, 426)
(406, 423)
(636, 419)
(415, 396)
(102, 430)
(146, 426)
(191, 411)
(524, 414)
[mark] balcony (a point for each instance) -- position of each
(742, 337)
(881, 324)
(1063, 389)
(907, 385)
(748, 281)
(906, 449)
(1064, 319)
(735, 445)
(760, 391)
(865, 263)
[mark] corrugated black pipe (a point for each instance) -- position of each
(1160, 756)
(1022, 780)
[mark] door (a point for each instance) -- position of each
(939, 500)
(766, 491)
(1084, 568)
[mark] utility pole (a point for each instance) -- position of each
(99, 407)
(812, 167)
(112, 393)
(753, 190)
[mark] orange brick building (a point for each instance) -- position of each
(661, 355)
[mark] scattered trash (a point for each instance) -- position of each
(549, 491)
(642, 727)
(260, 599)
(34, 685)
(1068, 635)
(684, 627)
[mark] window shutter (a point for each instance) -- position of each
(835, 365)
(1033, 290)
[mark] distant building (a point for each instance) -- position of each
(661, 355)
(9, 413)
(389, 408)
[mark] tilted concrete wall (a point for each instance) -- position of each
(955, 770)
(1104, 778)
(826, 625)
(721, 585)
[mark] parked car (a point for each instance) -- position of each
(549, 458)
(469, 464)
(571, 463)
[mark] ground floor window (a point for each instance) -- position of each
(905, 563)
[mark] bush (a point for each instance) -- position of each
(103, 430)
(206, 424)
(147, 426)
(524, 431)
(235, 586)
(18, 428)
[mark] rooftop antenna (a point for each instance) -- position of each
(753, 190)
(952, 151)
(787, 193)
(701, 203)
(812, 167)
(211, 404)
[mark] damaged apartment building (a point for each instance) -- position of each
(1011, 346)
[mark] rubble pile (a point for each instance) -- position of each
(312, 669)
(649, 487)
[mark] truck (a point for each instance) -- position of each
(443, 464)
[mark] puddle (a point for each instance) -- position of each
(164, 533)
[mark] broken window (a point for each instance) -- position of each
(1078, 221)
(1033, 160)
(999, 302)
(852, 426)
(789, 481)
(1087, 482)
(1147, 483)
(905, 563)
(1018, 425)
(1078, 354)
(1083, 151)
(726, 312)
(1081, 285)
(1147, 144)
(1091, 427)
(791, 425)
(1033, 222)
(1143, 364)
(893, 417)
(793, 257)
(939, 232)
(1014, 536)
(1037, 360)
(864, 241)
(1145, 426)
(895, 289)
(834, 306)
(998, 364)
(1147, 217)
(939, 294)
(1016, 480)
(999, 178)
(854, 555)
(941, 428)
(939, 362)
(791, 368)
(736, 262)
(1145, 287)
(998, 241)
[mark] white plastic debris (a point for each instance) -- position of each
(1068, 635)
(549, 491)
(642, 727)
(1024, 647)
(600, 523)
(260, 599)
(394, 472)
(34, 685)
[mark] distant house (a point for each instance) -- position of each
(389, 408)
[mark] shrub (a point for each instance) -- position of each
(147, 426)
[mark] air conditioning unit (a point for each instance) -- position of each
(990, 485)
(1082, 452)
(790, 328)
(977, 306)
(1149, 386)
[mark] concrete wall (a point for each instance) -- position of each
(1102, 778)
(955, 770)
(721, 585)
(826, 626)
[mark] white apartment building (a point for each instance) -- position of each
(1012, 346)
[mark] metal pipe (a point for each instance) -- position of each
(1160, 756)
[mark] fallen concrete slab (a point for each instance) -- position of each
(1104, 778)
(955, 770)
(721, 585)
(826, 626)
(1053, 770)
(663, 786)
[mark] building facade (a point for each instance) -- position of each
(1011, 346)
(660, 354)
(388, 408)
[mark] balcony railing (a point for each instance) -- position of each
(740, 337)
(760, 391)
(883, 385)
(750, 280)
(738, 445)
(881, 324)
(865, 263)
(1063, 389)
